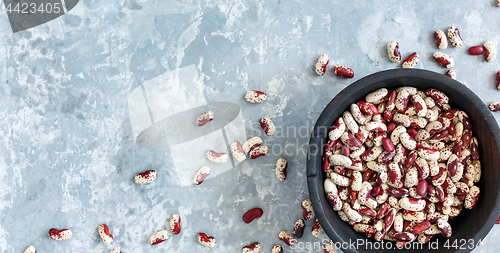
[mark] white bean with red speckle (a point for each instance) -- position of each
(30, 249)
(393, 51)
(445, 60)
(251, 143)
(377, 96)
(411, 61)
(158, 237)
(350, 122)
(268, 126)
(351, 213)
(201, 174)
(281, 169)
(490, 50)
(454, 36)
(358, 115)
(217, 157)
(441, 40)
(407, 141)
(254, 96)
(321, 64)
(205, 118)
(238, 152)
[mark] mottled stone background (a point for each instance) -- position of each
(67, 151)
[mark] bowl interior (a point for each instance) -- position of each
(470, 226)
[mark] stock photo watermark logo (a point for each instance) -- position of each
(26, 14)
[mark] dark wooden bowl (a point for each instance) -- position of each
(471, 225)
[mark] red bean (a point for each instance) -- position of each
(252, 214)
(422, 188)
(391, 127)
(412, 132)
(376, 191)
(431, 189)
(476, 50)
(388, 145)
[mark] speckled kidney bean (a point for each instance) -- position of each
(439, 178)
(412, 204)
(428, 154)
(348, 139)
(472, 197)
(258, 152)
(402, 100)
(251, 248)
(408, 142)
(30, 249)
(201, 175)
(498, 80)
(254, 142)
(441, 41)
(451, 74)
(445, 60)
(454, 36)
(444, 227)
(491, 51)
(393, 51)
(388, 116)
(334, 201)
(268, 126)
(367, 108)
(411, 61)
(389, 218)
(238, 152)
(398, 192)
(282, 168)
(343, 71)
(205, 240)
(402, 119)
(419, 104)
(431, 190)
(377, 96)
(60, 234)
(277, 249)
(351, 213)
(437, 95)
(364, 228)
(307, 209)
(410, 159)
(205, 118)
(254, 96)
(321, 64)
(423, 167)
(317, 229)
(104, 233)
(298, 228)
(414, 216)
(145, 177)
(158, 237)
(376, 127)
(494, 106)
(386, 156)
(287, 238)
(217, 157)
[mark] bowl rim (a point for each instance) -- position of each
(313, 167)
